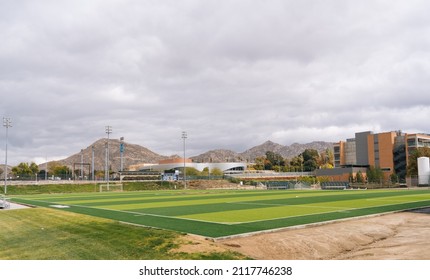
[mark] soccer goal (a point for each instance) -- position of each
(4, 203)
(116, 187)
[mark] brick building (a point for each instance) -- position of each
(388, 151)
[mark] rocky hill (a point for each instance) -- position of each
(260, 150)
(133, 155)
(217, 156)
(285, 151)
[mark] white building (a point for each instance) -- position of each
(177, 163)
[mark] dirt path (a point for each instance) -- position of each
(394, 236)
(404, 236)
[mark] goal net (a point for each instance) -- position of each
(116, 187)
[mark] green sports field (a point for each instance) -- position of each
(220, 213)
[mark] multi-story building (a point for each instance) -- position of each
(380, 150)
(414, 141)
(388, 151)
(344, 153)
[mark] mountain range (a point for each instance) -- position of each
(135, 155)
(260, 150)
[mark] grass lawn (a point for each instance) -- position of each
(48, 234)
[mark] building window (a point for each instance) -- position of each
(412, 143)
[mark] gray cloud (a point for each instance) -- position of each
(231, 73)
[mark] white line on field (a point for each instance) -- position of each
(291, 205)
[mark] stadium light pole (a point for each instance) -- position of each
(82, 164)
(184, 136)
(92, 163)
(6, 123)
(108, 130)
(121, 150)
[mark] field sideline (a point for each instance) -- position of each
(221, 213)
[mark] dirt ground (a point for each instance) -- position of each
(398, 236)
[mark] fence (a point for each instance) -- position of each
(418, 181)
(334, 185)
(286, 185)
(256, 175)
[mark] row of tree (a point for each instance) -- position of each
(31, 170)
(308, 160)
(373, 175)
(23, 170)
(191, 171)
(26, 170)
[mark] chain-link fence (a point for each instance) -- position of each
(418, 181)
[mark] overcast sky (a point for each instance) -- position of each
(232, 73)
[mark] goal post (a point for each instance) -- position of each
(116, 187)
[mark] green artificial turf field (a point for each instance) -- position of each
(220, 213)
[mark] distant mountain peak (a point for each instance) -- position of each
(133, 155)
(270, 142)
(136, 155)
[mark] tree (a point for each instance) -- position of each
(374, 174)
(216, 172)
(61, 171)
(296, 163)
(394, 178)
(191, 171)
(99, 174)
(413, 159)
(310, 165)
(326, 159)
(359, 178)
(310, 159)
(259, 163)
(326, 166)
(330, 156)
(205, 172)
(275, 159)
(34, 168)
(52, 166)
(351, 177)
(286, 167)
(268, 165)
(25, 170)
